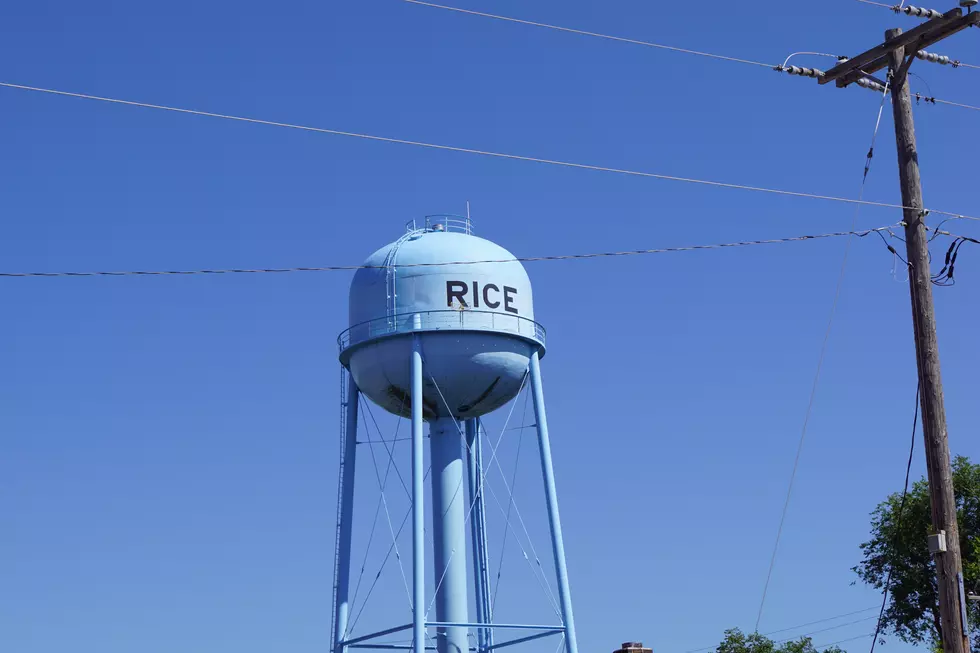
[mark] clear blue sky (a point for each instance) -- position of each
(169, 445)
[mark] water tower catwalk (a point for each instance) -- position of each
(442, 331)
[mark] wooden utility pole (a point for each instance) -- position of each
(949, 566)
(898, 52)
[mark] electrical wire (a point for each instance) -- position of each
(898, 522)
(466, 150)
(945, 276)
(815, 54)
(924, 83)
(820, 621)
(891, 248)
(953, 104)
(803, 625)
(559, 257)
(570, 30)
(841, 641)
(825, 630)
(520, 21)
(820, 360)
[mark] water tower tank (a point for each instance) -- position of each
(442, 330)
(470, 300)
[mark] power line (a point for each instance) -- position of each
(559, 257)
(466, 150)
(609, 37)
(898, 524)
(943, 60)
(919, 97)
(804, 625)
(820, 621)
(824, 630)
(621, 39)
(815, 54)
(820, 360)
(841, 641)
(952, 104)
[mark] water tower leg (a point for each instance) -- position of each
(484, 539)
(557, 544)
(449, 534)
(418, 499)
(342, 601)
(478, 530)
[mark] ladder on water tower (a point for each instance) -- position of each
(392, 292)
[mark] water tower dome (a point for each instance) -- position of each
(470, 301)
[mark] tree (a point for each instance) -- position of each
(899, 549)
(738, 642)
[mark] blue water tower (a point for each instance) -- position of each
(442, 330)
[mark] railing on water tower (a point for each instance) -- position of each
(441, 222)
(442, 320)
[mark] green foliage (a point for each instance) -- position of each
(902, 551)
(738, 642)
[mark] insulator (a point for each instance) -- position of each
(921, 13)
(804, 72)
(933, 57)
(870, 84)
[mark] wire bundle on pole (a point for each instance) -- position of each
(945, 276)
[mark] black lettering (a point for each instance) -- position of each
(486, 295)
(456, 290)
(508, 298)
(476, 295)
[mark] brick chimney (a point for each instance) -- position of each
(633, 647)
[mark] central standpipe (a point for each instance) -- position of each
(418, 503)
(449, 534)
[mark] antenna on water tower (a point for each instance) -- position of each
(426, 360)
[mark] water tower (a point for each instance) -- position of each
(442, 331)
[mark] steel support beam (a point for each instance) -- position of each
(342, 582)
(380, 633)
(551, 495)
(478, 532)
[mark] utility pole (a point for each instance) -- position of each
(949, 566)
(898, 52)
